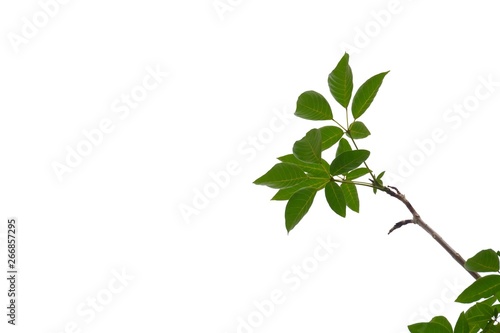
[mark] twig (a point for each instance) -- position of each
(394, 192)
(399, 225)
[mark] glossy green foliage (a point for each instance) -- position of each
(484, 261)
(348, 161)
(365, 94)
(304, 172)
(298, 205)
(282, 175)
(340, 82)
(308, 149)
(483, 315)
(313, 106)
(484, 287)
(358, 130)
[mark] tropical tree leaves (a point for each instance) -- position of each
(343, 147)
(351, 196)
(282, 175)
(484, 261)
(300, 175)
(330, 135)
(335, 198)
(312, 105)
(305, 172)
(358, 130)
(347, 161)
(308, 149)
(298, 206)
(365, 94)
(340, 81)
(484, 292)
(479, 317)
(286, 193)
(341, 197)
(356, 173)
(437, 324)
(462, 326)
(483, 287)
(321, 170)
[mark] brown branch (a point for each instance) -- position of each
(394, 192)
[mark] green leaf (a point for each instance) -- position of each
(298, 206)
(348, 161)
(462, 326)
(478, 315)
(356, 173)
(340, 81)
(324, 173)
(429, 327)
(358, 130)
(379, 177)
(483, 287)
(343, 147)
(330, 135)
(491, 328)
(308, 149)
(365, 94)
(313, 169)
(351, 196)
(282, 175)
(313, 106)
(378, 181)
(440, 320)
(335, 198)
(483, 261)
(286, 193)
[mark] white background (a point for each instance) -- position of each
(228, 74)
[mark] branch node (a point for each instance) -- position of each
(395, 189)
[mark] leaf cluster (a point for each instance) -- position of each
(483, 316)
(299, 176)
